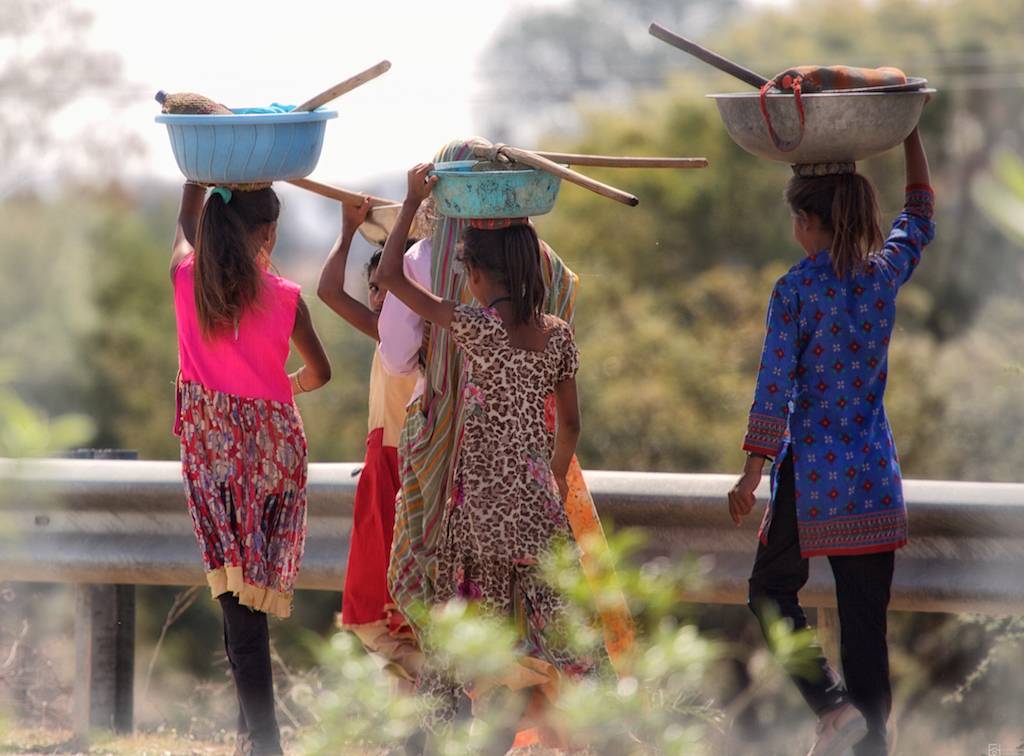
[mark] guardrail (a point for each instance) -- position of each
(117, 521)
(109, 524)
(122, 521)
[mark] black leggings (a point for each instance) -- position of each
(863, 584)
(247, 642)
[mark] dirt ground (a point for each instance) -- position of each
(18, 742)
(22, 742)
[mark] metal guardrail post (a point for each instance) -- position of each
(104, 694)
(104, 658)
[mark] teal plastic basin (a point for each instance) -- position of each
(253, 148)
(462, 192)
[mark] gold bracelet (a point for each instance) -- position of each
(298, 382)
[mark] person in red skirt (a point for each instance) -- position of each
(243, 448)
(367, 608)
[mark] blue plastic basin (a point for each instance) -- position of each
(513, 193)
(247, 149)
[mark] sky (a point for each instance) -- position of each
(254, 53)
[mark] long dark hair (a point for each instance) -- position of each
(374, 261)
(227, 274)
(511, 256)
(847, 205)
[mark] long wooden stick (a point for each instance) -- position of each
(346, 86)
(342, 195)
(536, 161)
(605, 161)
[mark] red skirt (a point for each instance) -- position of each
(366, 600)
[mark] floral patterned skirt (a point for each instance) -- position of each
(244, 470)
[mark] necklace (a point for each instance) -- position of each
(499, 299)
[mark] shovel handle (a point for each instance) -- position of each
(536, 161)
(722, 64)
(346, 86)
(342, 195)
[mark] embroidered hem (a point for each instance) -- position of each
(854, 550)
(867, 534)
(228, 579)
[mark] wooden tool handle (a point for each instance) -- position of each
(346, 86)
(342, 195)
(536, 161)
(722, 64)
(604, 161)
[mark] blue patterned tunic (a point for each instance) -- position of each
(820, 387)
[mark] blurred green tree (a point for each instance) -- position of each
(549, 59)
(45, 304)
(131, 352)
(970, 52)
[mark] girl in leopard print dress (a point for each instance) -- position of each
(509, 482)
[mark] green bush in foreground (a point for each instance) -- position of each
(660, 706)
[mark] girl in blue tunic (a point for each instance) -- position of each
(818, 416)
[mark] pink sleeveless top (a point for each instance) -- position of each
(247, 361)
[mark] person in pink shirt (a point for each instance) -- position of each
(243, 449)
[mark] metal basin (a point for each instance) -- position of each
(839, 127)
(381, 219)
(467, 189)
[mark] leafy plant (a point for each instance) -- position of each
(657, 704)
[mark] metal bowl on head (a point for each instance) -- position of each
(249, 148)
(839, 126)
(378, 224)
(478, 189)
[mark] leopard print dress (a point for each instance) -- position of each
(505, 511)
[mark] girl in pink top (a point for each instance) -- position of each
(243, 450)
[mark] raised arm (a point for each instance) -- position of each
(331, 287)
(390, 271)
(192, 196)
(916, 160)
(316, 368)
